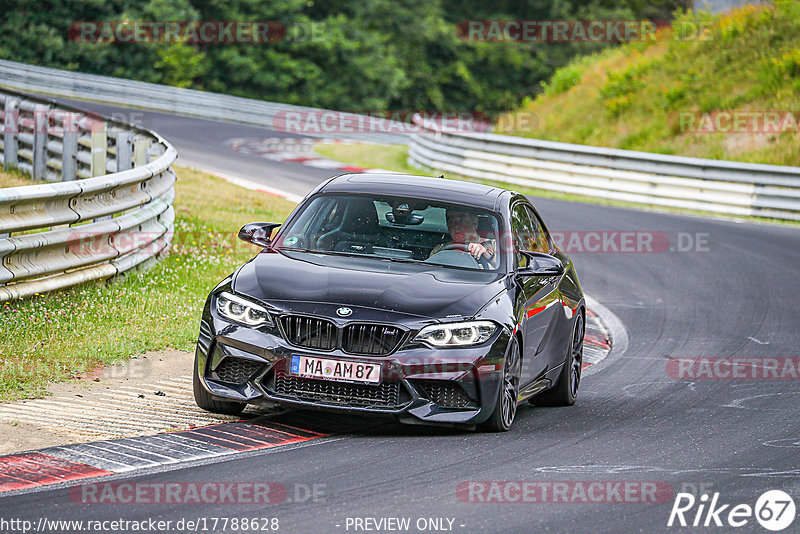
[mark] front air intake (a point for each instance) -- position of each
(309, 332)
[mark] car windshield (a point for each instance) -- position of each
(396, 229)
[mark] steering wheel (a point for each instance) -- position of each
(463, 247)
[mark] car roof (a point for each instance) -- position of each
(456, 191)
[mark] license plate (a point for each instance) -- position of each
(312, 367)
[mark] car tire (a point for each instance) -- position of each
(506, 406)
(565, 391)
(207, 402)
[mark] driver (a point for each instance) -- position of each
(463, 228)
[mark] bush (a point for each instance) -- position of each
(563, 79)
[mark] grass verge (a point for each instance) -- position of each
(14, 178)
(369, 156)
(57, 336)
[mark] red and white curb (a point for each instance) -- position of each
(54, 465)
(295, 150)
(596, 344)
(606, 337)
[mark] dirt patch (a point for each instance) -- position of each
(150, 393)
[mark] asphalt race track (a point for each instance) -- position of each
(732, 296)
(201, 143)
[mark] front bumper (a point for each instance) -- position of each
(419, 384)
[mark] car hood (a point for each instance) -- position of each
(316, 283)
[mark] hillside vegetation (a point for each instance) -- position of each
(676, 95)
(348, 55)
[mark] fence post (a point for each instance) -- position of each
(141, 144)
(69, 156)
(154, 152)
(124, 152)
(99, 148)
(11, 133)
(40, 127)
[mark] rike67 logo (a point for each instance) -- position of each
(774, 510)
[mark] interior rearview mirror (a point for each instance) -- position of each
(258, 233)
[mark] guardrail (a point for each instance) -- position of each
(90, 224)
(189, 102)
(692, 183)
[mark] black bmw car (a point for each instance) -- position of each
(433, 300)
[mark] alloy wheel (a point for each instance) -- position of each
(577, 356)
(510, 384)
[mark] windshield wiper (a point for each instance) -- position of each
(399, 260)
(352, 254)
(330, 252)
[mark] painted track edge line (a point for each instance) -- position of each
(251, 185)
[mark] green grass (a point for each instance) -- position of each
(369, 156)
(14, 178)
(56, 336)
(632, 97)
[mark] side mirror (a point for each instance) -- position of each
(541, 264)
(258, 233)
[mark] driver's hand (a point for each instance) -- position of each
(477, 250)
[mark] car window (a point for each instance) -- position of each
(541, 237)
(390, 227)
(523, 232)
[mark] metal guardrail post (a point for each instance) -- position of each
(11, 133)
(99, 148)
(124, 151)
(69, 156)
(154, 151)
(141, 145)
(40, 127)
(99, 137)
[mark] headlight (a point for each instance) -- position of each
(457, 334)
(242, 311)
